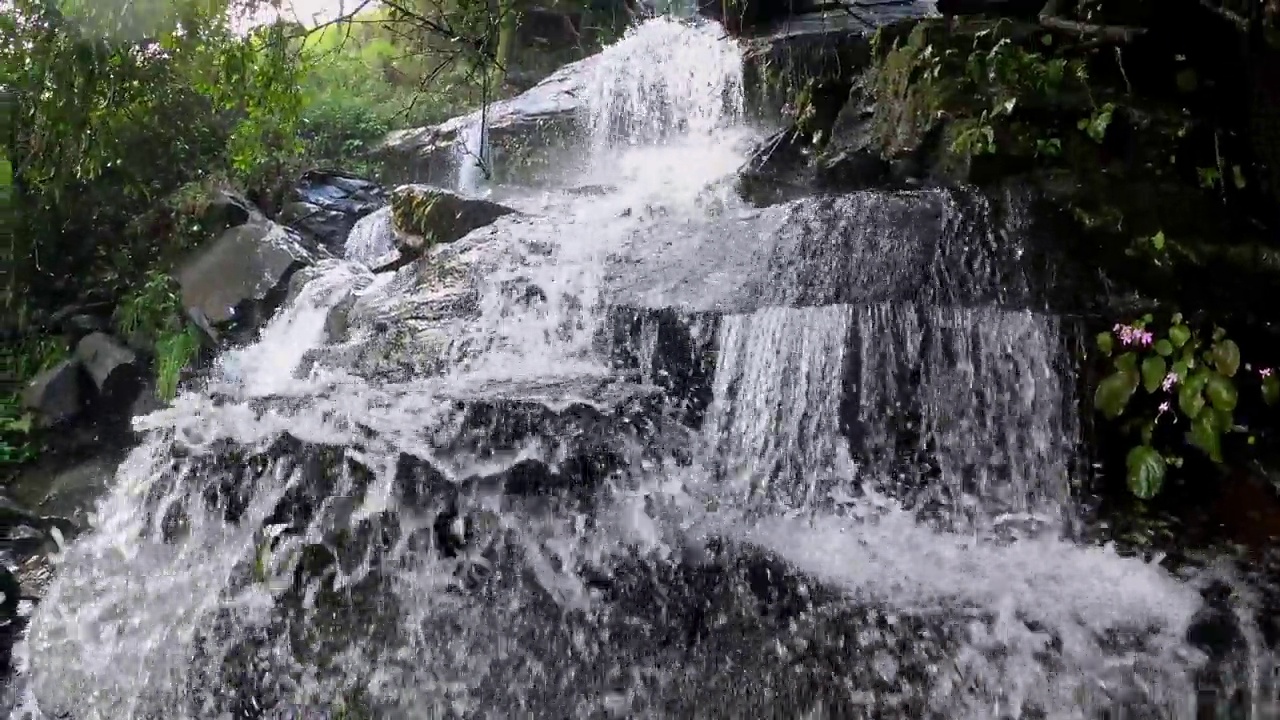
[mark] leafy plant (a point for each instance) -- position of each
(1173, 388)
(1095, 126)
(16, 430)
(154, 313)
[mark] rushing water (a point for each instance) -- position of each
(437, 493)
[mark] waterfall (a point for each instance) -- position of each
(370, 238)
(494, 484)
(473, 158)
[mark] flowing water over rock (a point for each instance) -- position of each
(633, 452)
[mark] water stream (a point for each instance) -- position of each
(457, 503)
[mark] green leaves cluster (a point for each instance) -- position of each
(153, 315)
(1189, 384)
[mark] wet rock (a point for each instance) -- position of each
(241, 277)
(56, 395)
(927, 246)
(742, 17)
(324, 206)
(423, 216)
(115, 370)
(524, 133)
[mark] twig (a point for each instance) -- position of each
(1113, 33)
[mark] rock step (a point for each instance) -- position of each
(551, 438)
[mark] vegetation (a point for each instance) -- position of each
(124, 117)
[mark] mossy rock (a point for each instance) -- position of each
(423, 216)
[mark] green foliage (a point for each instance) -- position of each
(1189, 386)
(16, 427)
(153, 314)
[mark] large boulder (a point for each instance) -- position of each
(325, 205)
(423, 216)
(241, 277)
(56, 395)
(524, 132)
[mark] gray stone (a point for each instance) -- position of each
(240, 277)
(55, 395)
(423, 216)
(523, 132)
(114, 368)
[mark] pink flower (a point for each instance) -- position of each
(1130, 335)
(1264, 372)
(1164, 408)
(1169, 381)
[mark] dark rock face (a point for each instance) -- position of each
(55, 394)
(115, 370)
(423, 216)
(918, 246)
(241, 276)
(324, 206)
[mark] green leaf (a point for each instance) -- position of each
(1179, 334)
(1114, 391)
(1222, 392)
(1205, 435)
(1226, 357)
(1164, 348)
(1128, 362)
(1157, 240)
(1190, 400)
(1146, 471)
(1153, 372)
(1271, 389)
(1180, 369)
(1105, 343)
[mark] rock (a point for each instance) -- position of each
(1021, 9)
(225, 209)
(524, 132)
(114, 369)
(932, 246)
(783, 59)
(241, 277)
(56, 395)
(325, 205)
(740, 17)
(423, 216)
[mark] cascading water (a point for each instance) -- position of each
(473, 158)
(435, 493)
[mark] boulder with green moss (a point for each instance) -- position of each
(423, 216)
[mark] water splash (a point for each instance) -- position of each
(665, 79)
(269, 365)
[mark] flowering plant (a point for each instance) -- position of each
(1192, 380)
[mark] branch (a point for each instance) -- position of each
(1111, 33)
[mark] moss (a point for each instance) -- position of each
(412, 211)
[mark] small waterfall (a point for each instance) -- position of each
(972, 396)
(474, 161)
(370, 238)
(665, 79)
(778, 389)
